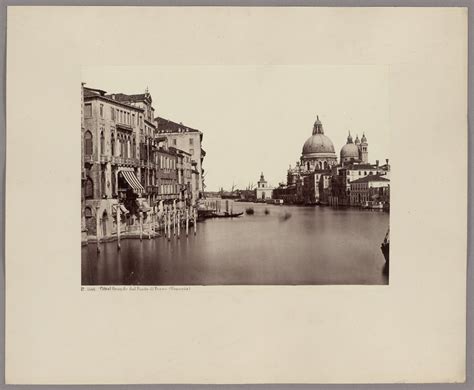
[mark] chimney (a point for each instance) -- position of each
(386, 160)
(377, 163)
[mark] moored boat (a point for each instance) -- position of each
(385, 247)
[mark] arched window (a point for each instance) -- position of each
(88, 143)
(102, 182)
(133, 147)
(102, 143)
(88, 212)
(89, 189)
(112, 144)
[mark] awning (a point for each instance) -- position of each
(143, 205)
(132, 180)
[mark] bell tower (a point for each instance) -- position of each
(364, 149)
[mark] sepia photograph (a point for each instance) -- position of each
(238, 222)
(271, 175)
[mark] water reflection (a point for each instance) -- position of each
(287, 245)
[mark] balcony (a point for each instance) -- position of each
(105, 159)
(124, 126)
(89, 159)
(124, 161)
(152, 189)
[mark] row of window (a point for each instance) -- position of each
(191, 141)
(164, 189)
(120, 116)
(125, 146)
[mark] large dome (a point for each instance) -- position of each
(318, 144)
(349, 151)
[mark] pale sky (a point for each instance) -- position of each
(256, 119)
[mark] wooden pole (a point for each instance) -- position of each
(187, 221)
(141, 224)
(97, 228)
(179, 223)
(195, 220)
(118, 226)
(169, 225)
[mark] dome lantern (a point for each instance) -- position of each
(349, 138)
(318, 126)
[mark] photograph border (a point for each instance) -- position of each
(469, 384)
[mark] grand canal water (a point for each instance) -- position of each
(315, 245)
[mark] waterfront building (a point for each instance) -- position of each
(318, 158)
(286, 192)
(188, 140)
(369, 188)
(263, 190)
(83, 171)
(184, 177)
(128, 165)
(319, 178)
(111, 161)
(146, 141)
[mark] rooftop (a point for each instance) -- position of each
(360, 166)
(122, 97)
(91, 93)
(370, 178)
(167, 126)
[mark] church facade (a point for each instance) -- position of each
(318, 177)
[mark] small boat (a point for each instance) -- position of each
(227, 215)
(385, 247)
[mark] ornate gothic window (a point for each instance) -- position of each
(89, 189)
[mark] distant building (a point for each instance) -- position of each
(263, 190)
(287, 192)
(355, 152)
(317, 177)
(188, 140)
(369, 188)
(318, 158)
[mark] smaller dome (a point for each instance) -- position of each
(357, 141)
(349, 151)
(363, 139)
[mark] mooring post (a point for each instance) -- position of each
(141, 224)
(97, 228)
(118, 226)
(179, 222)
(169, 225)
(187, 221)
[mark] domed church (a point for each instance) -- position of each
(355, 152)
(318, 150)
